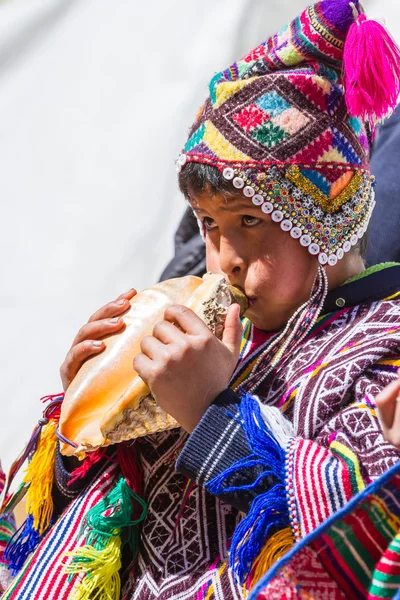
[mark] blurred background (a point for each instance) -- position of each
(96, 97)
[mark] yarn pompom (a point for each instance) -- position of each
(371, 63)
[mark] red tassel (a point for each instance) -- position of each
(130, 467)
(371, 63)
(87, 464)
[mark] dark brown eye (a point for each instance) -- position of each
(250, 221)
(209, 223)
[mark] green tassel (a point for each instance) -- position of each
(111, 515)
(99, 560)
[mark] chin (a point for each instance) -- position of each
(265, 322)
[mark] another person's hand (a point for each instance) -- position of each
(186, 368)
(88, 340)
(388, 404)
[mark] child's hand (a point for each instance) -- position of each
(388, 403)
(88, 339)
(187, 368)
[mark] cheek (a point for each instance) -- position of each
(286, 268)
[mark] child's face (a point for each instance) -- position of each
(252, 252)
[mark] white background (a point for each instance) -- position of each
(96, 97)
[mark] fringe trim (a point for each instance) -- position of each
(40, 477)
(100, 570)
(99, 561)
(250, 547)
(278, 544)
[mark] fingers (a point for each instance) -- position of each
(115, 308)
(186, 319)
(233, 330)
(98, 329)
(151, 347)
(387, 405)
(76, 357)
(143, 367)
(167, 333)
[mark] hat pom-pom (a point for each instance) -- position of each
(372, 71)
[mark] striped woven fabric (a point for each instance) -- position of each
(42, 577)
(355, 554)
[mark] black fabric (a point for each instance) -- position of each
(372, 287)
(384, 237)
(190, 251)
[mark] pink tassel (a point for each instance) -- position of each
(371, 63)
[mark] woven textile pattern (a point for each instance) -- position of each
(357, 556)
(325, 388)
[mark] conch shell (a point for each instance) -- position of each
(108, 402)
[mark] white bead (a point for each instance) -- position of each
(178, 167)
(332, 260)
(360, 233)
(182, 160)
(305, 240)
(313, 249)
(323, 258)
(228, 173)
(257, 199)
(296, 233)
(354, 239)
(346, 246)
(286, 225)
(277, 216)
(238, 183)
(248, 191)
(340, 253)
(267, 208)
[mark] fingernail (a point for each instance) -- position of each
(97, 344)
(114, 320)
(120, 302)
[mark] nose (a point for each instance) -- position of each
(230, 259)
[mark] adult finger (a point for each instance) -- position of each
(233, 330)
(98, 329)
(186, 319)
(76, 357)
(115, 308)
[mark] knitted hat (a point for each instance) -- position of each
(288, 128)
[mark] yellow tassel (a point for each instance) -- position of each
(100, 570)
(276, 546)
(40, 476)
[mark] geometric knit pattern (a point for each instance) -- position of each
(283, 105)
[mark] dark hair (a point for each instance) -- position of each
(197, 178)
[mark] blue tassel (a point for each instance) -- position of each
(24, 541)
(269, 510)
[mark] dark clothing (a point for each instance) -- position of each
(384, 237)
(190, 252)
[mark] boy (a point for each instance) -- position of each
(278, 429)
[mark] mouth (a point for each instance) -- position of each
(250, 299)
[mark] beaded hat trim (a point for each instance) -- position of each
(327, 227)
